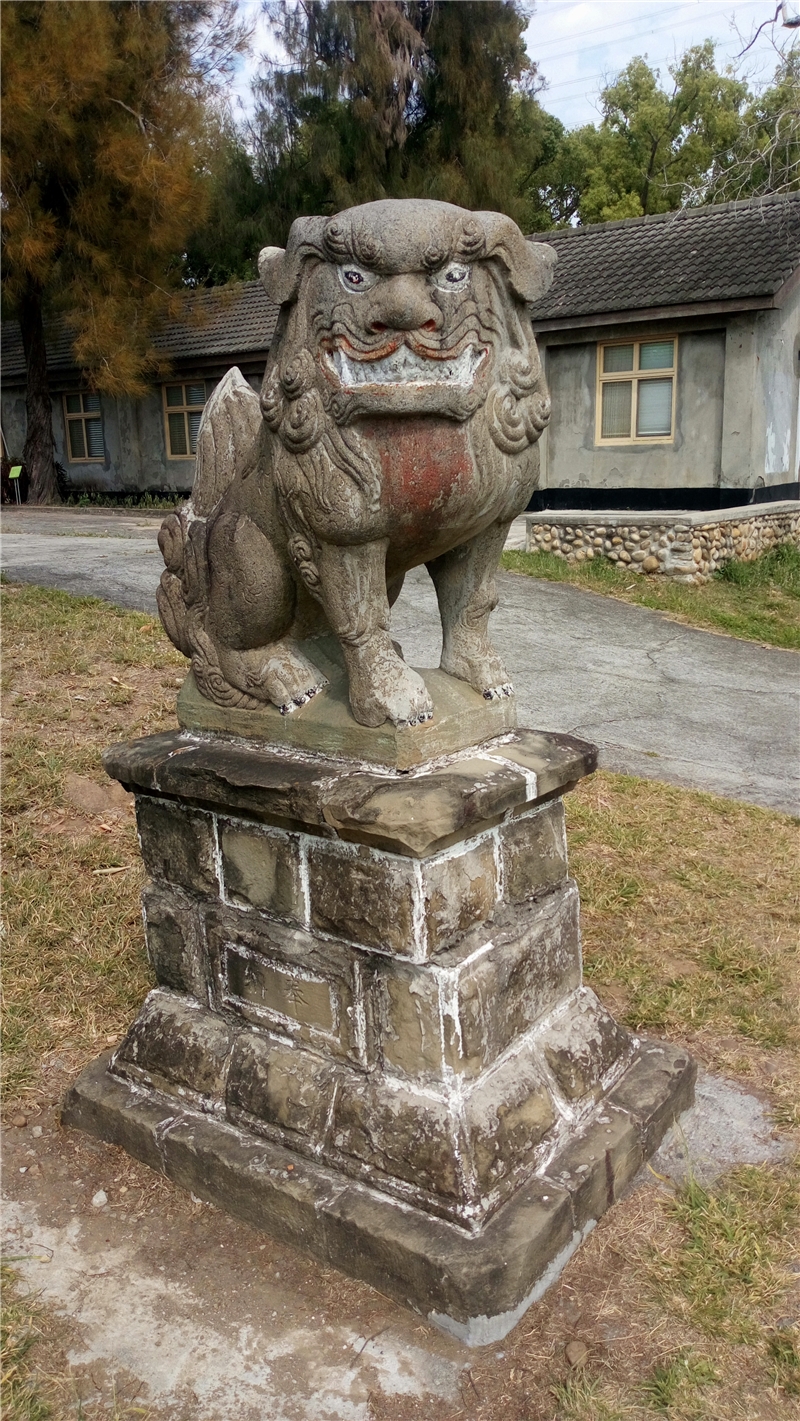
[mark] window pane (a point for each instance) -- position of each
(94, 438)
(77, 447)
(91, 403)
(656, 354)
(654, 413)
(194, 425)
(177, 435)
(616, 418)
(196, 394)
(73, 404)
(174, 394)
(617, 357)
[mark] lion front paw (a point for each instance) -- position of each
(280, 674)
(383, 688)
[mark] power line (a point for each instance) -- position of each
(617, 24)
(550, 58)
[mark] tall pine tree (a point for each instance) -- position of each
(106, 130)
(393, 98)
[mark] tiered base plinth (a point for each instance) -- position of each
(369, 1035)
(475, 1286)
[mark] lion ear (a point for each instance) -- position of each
(280, 270)
(271, 261)
(529, 264)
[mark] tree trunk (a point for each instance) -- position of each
(37, 455)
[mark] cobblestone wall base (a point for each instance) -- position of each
(688, 547)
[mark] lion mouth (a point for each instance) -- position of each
(404, 366)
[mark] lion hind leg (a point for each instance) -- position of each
(280, 674)
(466, 593)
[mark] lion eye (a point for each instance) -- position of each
(453, 276)
(355, 278)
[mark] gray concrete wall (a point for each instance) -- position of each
(776, 412)
(135, 449)
(572, 460)
(135, 458)
(759, 438)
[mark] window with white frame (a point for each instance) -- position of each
(84, 420)
(636, 391)
(183, 408)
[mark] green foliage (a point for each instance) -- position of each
(764, 156)
(89, 499)
(652, 142)
(780, 566)
(400, 98)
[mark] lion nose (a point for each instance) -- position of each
(403, 303)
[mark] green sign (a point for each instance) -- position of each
(15, 472)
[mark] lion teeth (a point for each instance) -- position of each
(405, 367)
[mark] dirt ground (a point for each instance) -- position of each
(156, 1305)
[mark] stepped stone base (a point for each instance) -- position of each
(475, 1286)
(370, 1036)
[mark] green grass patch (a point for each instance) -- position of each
(756, 601)
(678, 1382)
(583, 1397)
(729, 1274)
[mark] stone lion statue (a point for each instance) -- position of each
(397, 425)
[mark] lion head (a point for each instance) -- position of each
(406, 307)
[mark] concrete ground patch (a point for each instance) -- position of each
(726, 1126)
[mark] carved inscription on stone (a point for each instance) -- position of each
(278, 993)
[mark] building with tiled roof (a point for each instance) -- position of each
(671, 346)
(671, 349)
(701, 260)
(127, 446)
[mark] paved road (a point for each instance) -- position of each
(660, 699)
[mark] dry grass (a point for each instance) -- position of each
(687, 1304)
(690, 912)
(20, 1395)
(78, 675)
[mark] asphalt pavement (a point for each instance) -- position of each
(660, 699)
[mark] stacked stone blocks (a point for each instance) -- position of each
(369, 993)
(371, 980)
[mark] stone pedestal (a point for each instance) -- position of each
(370, 1036)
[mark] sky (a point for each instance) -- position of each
(580, 45)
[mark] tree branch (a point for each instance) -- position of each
(142, 122)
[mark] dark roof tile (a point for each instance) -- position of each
(734, 251)
(223, 321)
